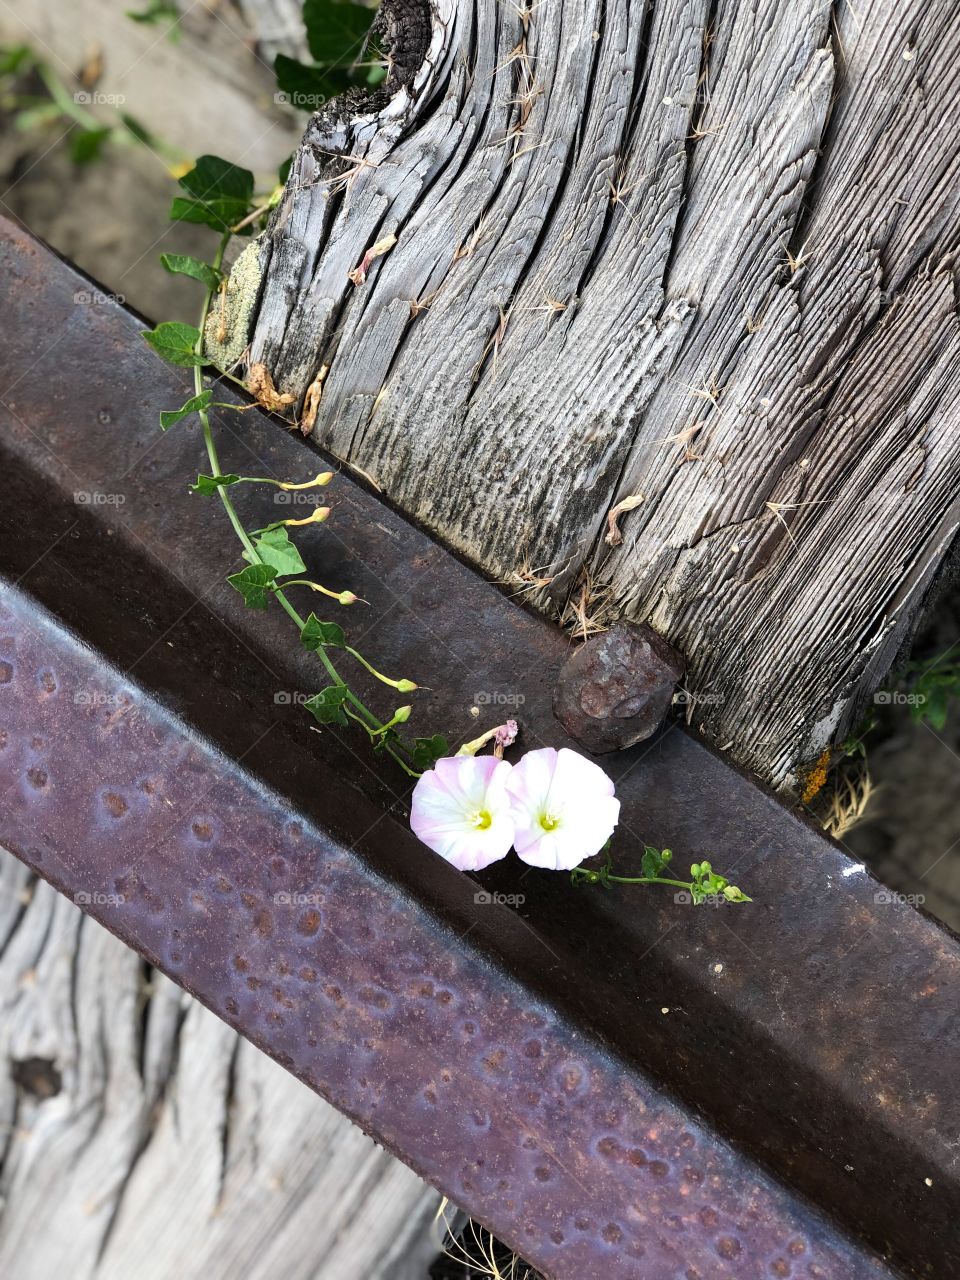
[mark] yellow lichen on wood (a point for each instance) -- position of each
(816, 777)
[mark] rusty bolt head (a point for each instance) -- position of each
(615, 690)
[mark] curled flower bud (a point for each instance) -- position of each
(501, 736)
(405, 686)
(347, 597)
(322, 478)
(733, 894)
(316, 516)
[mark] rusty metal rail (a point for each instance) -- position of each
(618, 1085)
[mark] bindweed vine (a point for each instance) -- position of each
(556, 809)
(221, 195)
(703, 886)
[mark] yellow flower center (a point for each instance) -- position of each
(480, 819)
(549, 821)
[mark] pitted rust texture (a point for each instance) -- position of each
(615, 690)
(816, 1028)
(363, 994)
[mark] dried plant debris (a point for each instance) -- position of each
(260, 385)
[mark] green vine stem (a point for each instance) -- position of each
(703, 885)
(361, 712)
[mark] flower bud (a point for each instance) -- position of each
(316, 516)
(324, 477)
(402, 715)
(405, 686)
(347, 597)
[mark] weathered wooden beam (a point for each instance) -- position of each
(617, 1084)
(693, 250)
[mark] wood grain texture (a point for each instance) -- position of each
(140, 1136)
(698, 250)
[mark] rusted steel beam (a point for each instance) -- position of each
(617, 1084)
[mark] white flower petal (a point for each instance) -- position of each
(563, 807)
(462, 811)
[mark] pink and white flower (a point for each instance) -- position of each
(462, 811)
(564, 808)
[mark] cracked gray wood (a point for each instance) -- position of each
(141, 1136)
(698, 250)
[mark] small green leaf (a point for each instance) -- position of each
(316, 634)
(171, 416)
(307, 87)
(221, 214)
(156, 12)
(182, 264)
(15, 58)
(252, 583)
(275, 548)
(139, 131)
(936, 708)
(214, 179)
(327, 705)
(175, 342)
(210, 484)
(427, 751)
(86, 144)
(653, 862)
(336, 32)
(733, 894)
